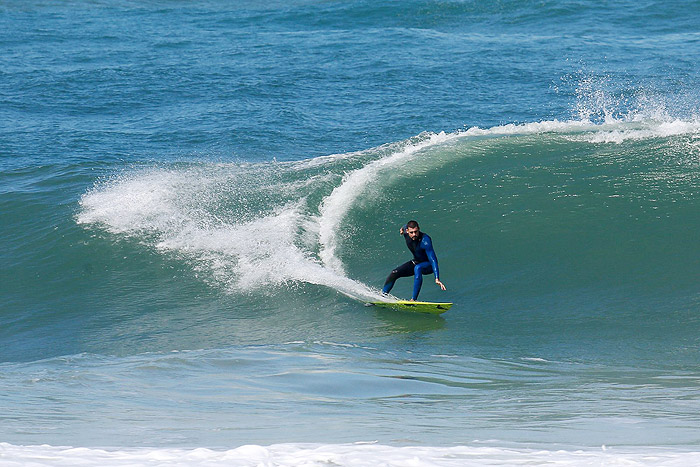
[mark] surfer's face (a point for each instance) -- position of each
(413, 232)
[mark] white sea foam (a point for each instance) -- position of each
(547, 126)
(611, 131)
(171, 211)
(358, 454)
(629, 132)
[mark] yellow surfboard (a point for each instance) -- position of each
(415, 307)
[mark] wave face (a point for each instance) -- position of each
(572, 224)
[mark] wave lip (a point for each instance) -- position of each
(610, 131)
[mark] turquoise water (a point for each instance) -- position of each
(196, 199)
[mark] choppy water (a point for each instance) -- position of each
(196, 199)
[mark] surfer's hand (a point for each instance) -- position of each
(401, 231)
(442, 286)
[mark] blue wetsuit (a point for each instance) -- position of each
(424, 262)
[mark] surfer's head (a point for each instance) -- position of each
(413, 230)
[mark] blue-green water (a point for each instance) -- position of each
(195, 199)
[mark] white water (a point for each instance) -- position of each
(172, 211)
(357, 454)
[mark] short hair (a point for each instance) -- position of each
(413, 225)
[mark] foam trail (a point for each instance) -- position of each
(171, 211)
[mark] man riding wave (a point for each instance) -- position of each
(424, 260)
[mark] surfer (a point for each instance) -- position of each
(424, 260)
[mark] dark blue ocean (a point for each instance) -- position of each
(198, 198)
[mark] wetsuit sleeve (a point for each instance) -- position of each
(427, 245)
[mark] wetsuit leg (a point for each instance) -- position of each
(419, 270)
(405, 270)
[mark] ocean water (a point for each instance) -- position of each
(197, 198)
